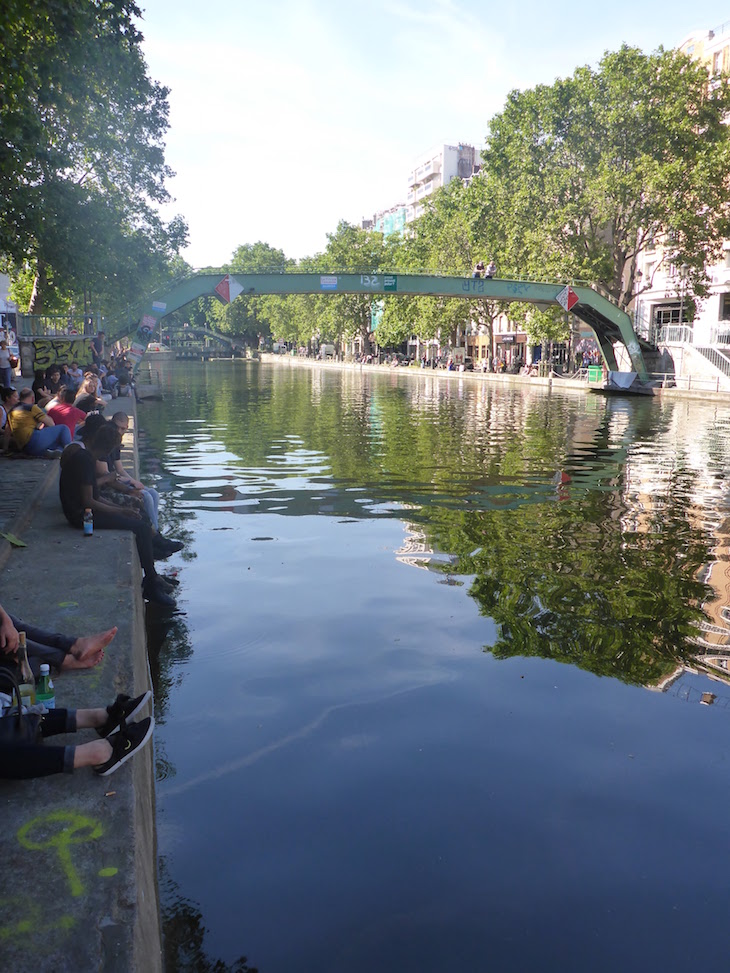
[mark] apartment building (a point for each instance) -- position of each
(697, 340)
(436, 168)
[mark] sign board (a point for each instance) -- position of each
(328, 282)
(567, 298)
(390, 282)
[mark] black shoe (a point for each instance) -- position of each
(162, 547)
(153, 592)
(125, 743)
(164, 584)
(122, 709)
(170, 544)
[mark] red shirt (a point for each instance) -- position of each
(67, 415)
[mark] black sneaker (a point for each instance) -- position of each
(163, 547)
(152, 591)
(122, 709)
(125, 743)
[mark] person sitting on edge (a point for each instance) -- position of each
(479, 269)
(79, 491)
(65, 413)
(118, 487)
(119, 741)
(34, 432)
(491, 269)
(63, 652)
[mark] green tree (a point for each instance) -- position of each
(247, 316)
(459, 227)
(589, 170)
(349, 250)
(82, 167)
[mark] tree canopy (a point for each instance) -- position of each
(82, 167)
(590, 170)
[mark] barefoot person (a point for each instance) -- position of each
(61, 651)
(120, 740)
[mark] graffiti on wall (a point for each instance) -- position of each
(57, 351)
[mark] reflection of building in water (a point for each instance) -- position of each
(415, 551)
(697, 477)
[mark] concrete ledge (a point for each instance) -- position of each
(80, 861)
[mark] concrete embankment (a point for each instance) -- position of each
(80, 861)
(708, 392)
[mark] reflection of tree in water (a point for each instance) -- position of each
(172, 519)
(168, 644)
(568, 583)
(184, 931)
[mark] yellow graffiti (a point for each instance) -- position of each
(34, 921)
(57, 351)
(75, 829)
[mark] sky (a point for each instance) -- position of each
(287, 116)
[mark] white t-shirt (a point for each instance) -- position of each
(4, 358)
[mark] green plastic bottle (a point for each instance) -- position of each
(44, 691)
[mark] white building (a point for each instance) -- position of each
(434, 169)
(698, 344)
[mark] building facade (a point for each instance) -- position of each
(694, 334)
(434, 169)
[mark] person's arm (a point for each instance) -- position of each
(126, 477)
(88, 500)
(8, 633)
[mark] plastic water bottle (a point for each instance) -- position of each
(88, 522)
(45, 693)
(26, 677)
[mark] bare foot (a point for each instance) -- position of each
(89, 650)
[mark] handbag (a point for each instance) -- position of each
(18, 727)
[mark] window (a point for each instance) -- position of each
(669, 314)
(717, 62)
(725, 306)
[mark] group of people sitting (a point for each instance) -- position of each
(118, 738)
(42, 420)
(71, 426)
(61, 416)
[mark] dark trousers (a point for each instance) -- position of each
(43, 646)
(26, 760)
(142, 531)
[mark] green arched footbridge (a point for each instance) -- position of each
(608, 322)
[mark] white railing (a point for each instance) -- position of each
(676, 334)
(721, 335)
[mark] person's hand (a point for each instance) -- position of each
(133, 514)
(8, 634)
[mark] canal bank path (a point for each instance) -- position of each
(79, 863)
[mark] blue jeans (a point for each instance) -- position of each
(49, 437)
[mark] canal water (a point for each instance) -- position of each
(431, 702)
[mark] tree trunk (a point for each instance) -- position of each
(40, 285)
